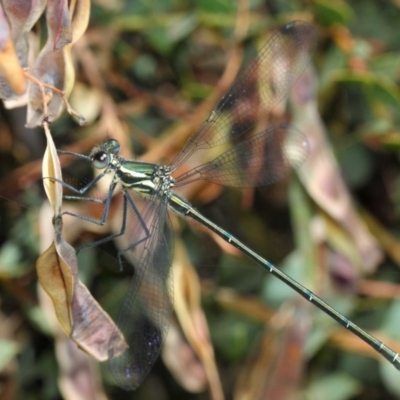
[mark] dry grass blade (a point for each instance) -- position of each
(191, 316)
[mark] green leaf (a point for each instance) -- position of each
(334, 60)
(145, 67)
(168, 32)
(8, 350)
(181, 26)
(333, 12)
(11, 265)
(391, 141)
(391, 325)
(387, 64)
(214, 20)
(357, 165)
(219, 6)
(334, 387)
(379, 89)
(38, 318)
(232, 335)
(390, 376)
(276, 292)
(384, 91)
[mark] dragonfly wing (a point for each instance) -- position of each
(145, 315)
(264, 84)
(264, 158)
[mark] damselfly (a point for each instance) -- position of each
(256, 159)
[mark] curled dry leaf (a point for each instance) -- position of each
(321, 175)
(12, 79)
(79, 377)
(182, 361)
(80, 316)
(59, 287)
(193, 321)
(22, 15)
(63, 32)
(51, 168)
(55, 67)
(277, 357)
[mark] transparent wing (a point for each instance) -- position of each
(260, 160)
(264, 84)
(146, 311)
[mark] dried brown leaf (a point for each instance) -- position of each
(56, 285)
(80, 18)
(61, 24)
(51, 68)
(280, 346)
(192, 319)
(321, 176)
(21, 16)
(10, 68)
(94, 330)
(79, 377)
(51, 168)
(55, 67)
(80, 316)
(12, 79)
(183, 362)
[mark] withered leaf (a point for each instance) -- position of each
(61, 24)
(281, 345)
(194, 324)
(55, 67)
(322, 178)
(12, 79)
(80, 316)
(51, 168)
(56, 285)
(93, 329)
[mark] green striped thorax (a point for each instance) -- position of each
(144, 178)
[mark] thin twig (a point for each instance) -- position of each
(42, 85)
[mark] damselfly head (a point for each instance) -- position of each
(101, 155)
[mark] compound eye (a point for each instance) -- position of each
(101, 159)
(113, 146)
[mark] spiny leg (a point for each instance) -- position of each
(126, 201)
(142, 223)
(107, 201)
